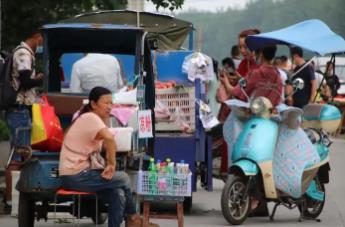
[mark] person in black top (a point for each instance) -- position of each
(306, 95)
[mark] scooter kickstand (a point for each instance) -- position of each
(274, 211)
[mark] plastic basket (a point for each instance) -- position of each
(165, 184)
(184, 99)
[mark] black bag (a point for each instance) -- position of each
(8, 95)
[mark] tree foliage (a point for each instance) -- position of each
(170, 4)
(220, 30)
(20, 17)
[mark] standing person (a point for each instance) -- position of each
(224, 111)
(280, 62)
(248, 62)
(307, 94)
(263, 81)
(283, 63)
(25, 80)
(332, 81)
(96, 70)
(83, 141)
(236, 55)
(229, 69)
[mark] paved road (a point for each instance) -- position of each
(206, 207)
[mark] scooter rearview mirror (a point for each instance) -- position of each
(298, 84)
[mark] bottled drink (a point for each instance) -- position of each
(162, 178)
(158, 165)
(170, 174)
(183, 171)
(152, 177)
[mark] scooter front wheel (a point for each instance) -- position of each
(235, 201)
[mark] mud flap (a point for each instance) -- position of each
(249, 168)
(314, 193)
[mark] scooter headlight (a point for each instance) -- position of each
(260, 105)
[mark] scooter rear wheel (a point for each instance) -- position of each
(313, 208)
(235, 201)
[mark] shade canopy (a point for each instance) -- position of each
(312, 35)
(169, 33)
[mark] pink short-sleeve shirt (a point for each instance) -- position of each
(79, 143)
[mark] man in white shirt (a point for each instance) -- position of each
(96, 70)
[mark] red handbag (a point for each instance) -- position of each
(52, 131)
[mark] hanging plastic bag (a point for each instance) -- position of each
(125, 97)
(198, 66)
(162, 112)
(208, 120)
(181, 120)
(47, 134)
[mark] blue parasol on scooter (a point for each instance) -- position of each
(312, 35)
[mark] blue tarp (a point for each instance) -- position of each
(312, 35)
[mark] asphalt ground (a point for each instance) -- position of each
(206, 210)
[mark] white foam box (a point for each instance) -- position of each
(123, 138)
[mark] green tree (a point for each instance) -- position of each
(20, 17)
(170, 4)
(220, 29)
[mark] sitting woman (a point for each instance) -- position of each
(82, 143)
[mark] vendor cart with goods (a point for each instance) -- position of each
(178, 132)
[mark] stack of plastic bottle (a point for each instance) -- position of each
(166, 178)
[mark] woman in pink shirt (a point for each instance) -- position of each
(84, 138)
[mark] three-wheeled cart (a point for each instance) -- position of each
(39, 178)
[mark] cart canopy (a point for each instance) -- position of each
(168, 32)
(312, 35)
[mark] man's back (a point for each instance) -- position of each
(263, 81)
(96, 70)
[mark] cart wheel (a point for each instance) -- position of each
(101, 219)
(26, 210)
(187, 204)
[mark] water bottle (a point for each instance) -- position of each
(158, 165)
(170, 173)
(183, 171)
(152, 177)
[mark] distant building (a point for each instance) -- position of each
(136, 5)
